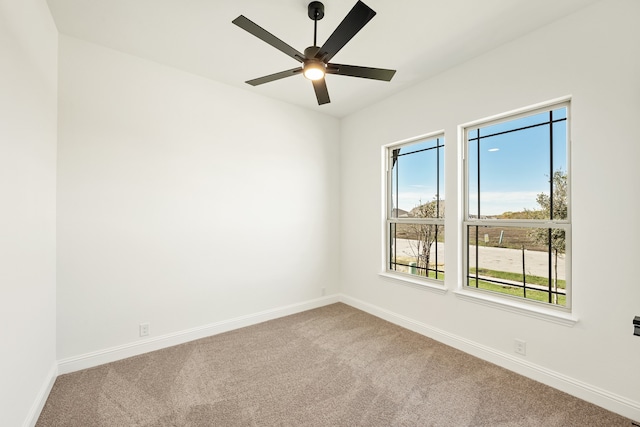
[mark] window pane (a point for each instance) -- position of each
(417, 178)
(560, 113)
(393, 237)
(511, 165)
(524, 262)
(417, 249)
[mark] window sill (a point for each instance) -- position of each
(513, 306)
(415, 283)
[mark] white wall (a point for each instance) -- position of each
(28, 74)
(183, 202)
(593, 56)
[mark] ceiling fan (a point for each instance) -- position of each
(315, 60)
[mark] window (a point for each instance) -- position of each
(415, 208)
(517, 219)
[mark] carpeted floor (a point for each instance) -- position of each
(332, 366)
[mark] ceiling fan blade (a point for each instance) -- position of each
(320, 86)
(357, 18)
(276, 76)
(364, 72)
(253, 28)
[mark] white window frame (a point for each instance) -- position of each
(558, 314)
(387, 206)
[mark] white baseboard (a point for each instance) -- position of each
(112, 354)
(41, 398)
(603, 398)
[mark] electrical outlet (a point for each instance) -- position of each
(324, 291)
(144, 329)
(520, 347)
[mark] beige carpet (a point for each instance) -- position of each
(333, 366)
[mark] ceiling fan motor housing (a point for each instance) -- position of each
(316, 10)
(311, 51)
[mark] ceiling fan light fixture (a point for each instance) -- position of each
(314, 70)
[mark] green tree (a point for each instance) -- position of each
(554, 207)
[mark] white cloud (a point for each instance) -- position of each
(496, 202)
(408, 200)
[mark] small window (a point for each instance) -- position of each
(517, 223)
(415, 208)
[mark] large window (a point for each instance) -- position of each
(517, 219)
(415, 208)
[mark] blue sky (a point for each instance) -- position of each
(417, 173)
(514, 167)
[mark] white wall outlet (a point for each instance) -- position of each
(144, 329)
(520, 347)
(323, 291)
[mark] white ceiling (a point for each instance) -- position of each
(419, 38)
